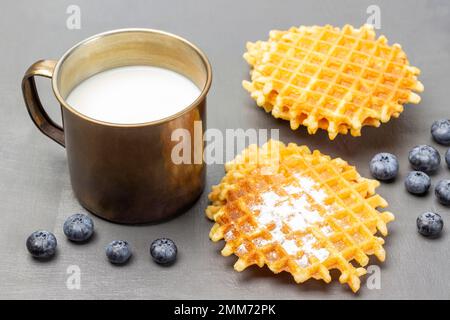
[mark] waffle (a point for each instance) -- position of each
(300, 212)
(330, 78)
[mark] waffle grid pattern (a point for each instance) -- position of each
(346, 230)
(335, 79)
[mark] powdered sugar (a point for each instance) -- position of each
(310, 187)
(303, 261)
(290, 189)
(297, 213)
(241, 249)
(326, 230)
(229, 235)
(259, 242)
(308, 248)
(321, 254)
(290, 246)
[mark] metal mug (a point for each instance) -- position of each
(124, 172)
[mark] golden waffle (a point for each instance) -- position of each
(299, 212)
(335, 79)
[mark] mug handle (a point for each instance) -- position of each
(41, 119)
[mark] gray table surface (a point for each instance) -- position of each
(35, 190)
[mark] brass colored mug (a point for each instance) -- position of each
(124, 172)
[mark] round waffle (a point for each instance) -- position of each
(330, 78)
(299, 212)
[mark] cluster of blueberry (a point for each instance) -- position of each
(424, 160)
(80, 227)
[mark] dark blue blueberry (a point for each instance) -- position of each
(118, 252)
(78, 227)
(442, 191)
(440, 130)
(429, 224)
(163, 251)
(424, 158)
(447, 158)
(417, 182)
(42, 244)
(384, 166)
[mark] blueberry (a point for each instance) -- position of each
(447, 158)
(78, 227)
(442, 191)
(424, 158)
(429, 224)
(42, 244)
(417, 182)
(118, 251)
(440, 130)
(163, 251)
(384, 166)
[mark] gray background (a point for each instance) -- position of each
(35, 190)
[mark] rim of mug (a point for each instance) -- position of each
(189, 107)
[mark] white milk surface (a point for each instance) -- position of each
(133, 94)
